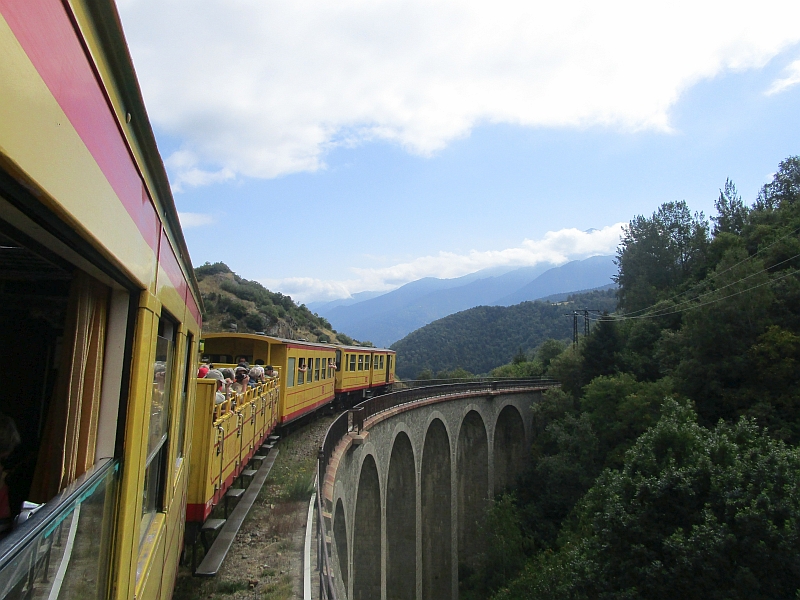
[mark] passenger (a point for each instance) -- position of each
(228, 374)
(9, 439)
(201, 372)
(242, 380)
(270, 372)
(243, 363)
(259, 362)
(216, 374)
(256, 376)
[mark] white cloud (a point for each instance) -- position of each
(190, 219)
(266, 88)
(184, 164)
(792, 79)
(556, 247)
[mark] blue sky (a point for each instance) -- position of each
(449, 175)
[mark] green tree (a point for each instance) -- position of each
(600, 350)
(731, 211)
(659, 253)
(548, 350)
(694, 513)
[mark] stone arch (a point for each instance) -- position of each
(436, 514)
(472, 484)
(401, 522)
(367, 534)
(509, 448)
(340, 540)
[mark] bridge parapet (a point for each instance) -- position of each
(403, 480)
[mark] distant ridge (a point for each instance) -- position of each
(386, 318)
(485, 337)
(591, 273)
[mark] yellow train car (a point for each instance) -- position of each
(224, 439)
(382, 368)
(360, 370)
(306, 369)
(99, 317)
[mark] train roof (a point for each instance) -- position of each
(278, 340)
(106, 20)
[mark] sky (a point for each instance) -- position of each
(325, 148)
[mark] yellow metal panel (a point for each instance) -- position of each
(151, 560)
(130, 510)
(37, 141)
(169, 297)
(200, 485)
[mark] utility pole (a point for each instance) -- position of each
(574, 314)
(586, 312)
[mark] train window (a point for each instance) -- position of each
(187, 377)
(381, 367)
(360, 362)
(366, 363)
(316, 369)
(352, 362)
(301, 371)
(338, 360)
(290, 373)
(158, 430)
(54, 322)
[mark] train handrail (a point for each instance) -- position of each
(341, 426)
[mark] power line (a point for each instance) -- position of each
(714, 291)
(771, 281)
(715, 275)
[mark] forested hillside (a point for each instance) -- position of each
(668, 465)
(482, 338)
(233, 302)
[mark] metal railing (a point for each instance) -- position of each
(353, 420)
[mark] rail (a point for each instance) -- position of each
(353, 420)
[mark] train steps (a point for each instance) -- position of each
(212, 561)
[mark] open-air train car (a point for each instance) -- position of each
(99, 316)
(306, 369)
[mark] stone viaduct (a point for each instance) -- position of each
(405, 496)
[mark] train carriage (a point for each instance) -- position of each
(306, 369)
(361, 370)
(99, 315)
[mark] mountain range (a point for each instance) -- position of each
(383, 319)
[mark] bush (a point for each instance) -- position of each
(694, 513)
(255, 322)
(207, 269)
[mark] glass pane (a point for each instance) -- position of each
(150, 494)
(159, 403)
(68, 557)
(316, 369)
(182, 410)
(290, 373)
